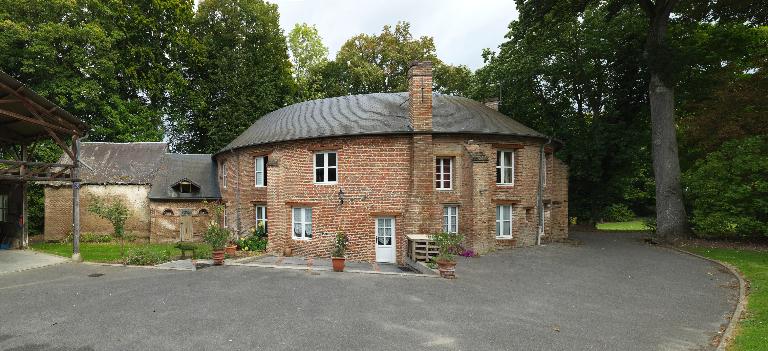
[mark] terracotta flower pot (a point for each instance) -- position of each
(447, 269)
(230, 250)
(218, 257)
(338, 263)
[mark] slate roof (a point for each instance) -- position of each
(382, 113)
(199, 169)
(118, 163)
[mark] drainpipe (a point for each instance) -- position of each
(540, 194)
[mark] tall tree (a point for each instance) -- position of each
(379, 63)
(308, 54)
(564, 77)
(238, 70)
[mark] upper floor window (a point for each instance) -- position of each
(326, 167)
(223, 174)
(443, 173)
(505, 167)
(302, 223)
(504, 221)
(185, 186)
(260, 169)
(451, 219)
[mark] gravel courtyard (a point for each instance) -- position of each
(610, 292)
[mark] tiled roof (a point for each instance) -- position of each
(118, 163)
(383, 113)
(198, 169)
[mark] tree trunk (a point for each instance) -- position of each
(670, 212)
(671, 220)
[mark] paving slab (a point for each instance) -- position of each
(179, 265)
(20, 260)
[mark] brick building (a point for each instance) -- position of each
(386, 168)
(382, 168)
(167, 194)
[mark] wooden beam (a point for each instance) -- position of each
(31, 106)
(9, 101)
(34, 163)
(37, 121)
(36, 179)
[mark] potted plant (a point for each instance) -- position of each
(340, 248)
(446, 259)
(217, 237)
(231, 248)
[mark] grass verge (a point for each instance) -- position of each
(101, 252)
(631, 226)
(752, 331)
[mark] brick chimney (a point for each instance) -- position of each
(420, 94)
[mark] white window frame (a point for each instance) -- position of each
(3, 207)
(260, 161)
(501, 209)
(501, 166)
(224, 174)
(305, 222)
(451, 219)
(326, 168)
(440, 174)
(261, 216)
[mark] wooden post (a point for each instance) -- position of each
(24, 202)
(76, 201)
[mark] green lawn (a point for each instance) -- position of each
(752, 333)
(631, 226)
(100, 252)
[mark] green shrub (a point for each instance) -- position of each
(447, 244)
(203, 252)
(340, 245)
(618, 213)
(88, 237)
(252, 243)
(144, 256)
(728, 190)
(650, 223)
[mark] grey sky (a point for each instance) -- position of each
(461, 28)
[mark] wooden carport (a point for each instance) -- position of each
(26, 119)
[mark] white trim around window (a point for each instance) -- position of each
(326, 167)
(260, 171)
(451, 219)
(505, 167)
(261, 216)
(504, 217)
(223, 166)
(302, 223)
(444, 173)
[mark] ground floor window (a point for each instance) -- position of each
(451, 219)
(384, 231)
(261, 217)
(302, 223)
(504, 221)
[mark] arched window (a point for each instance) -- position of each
(203, 212)
(168, 212)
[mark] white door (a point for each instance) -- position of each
(385, 239)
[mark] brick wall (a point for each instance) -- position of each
(166, 217)
(388, 176)
(58, 210)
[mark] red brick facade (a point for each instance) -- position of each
(394, 176)
(389, 176)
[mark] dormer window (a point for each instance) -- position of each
(185, 186)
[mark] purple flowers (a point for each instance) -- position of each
(467, 253)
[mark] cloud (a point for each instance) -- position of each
(461, 29)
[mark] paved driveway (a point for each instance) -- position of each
(611, 293)
(19, 260)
